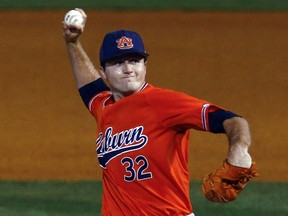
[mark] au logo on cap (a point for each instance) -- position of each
(124, 43)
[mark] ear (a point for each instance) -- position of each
(102, 72)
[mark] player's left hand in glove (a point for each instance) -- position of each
(224, 184)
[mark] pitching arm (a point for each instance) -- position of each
(83, 69)
(237, 131)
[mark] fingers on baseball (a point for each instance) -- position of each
(72, 28)
(71, 34)
(84, 16)
(82, 12)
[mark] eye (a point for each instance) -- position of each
(118, 62)
(134, 60)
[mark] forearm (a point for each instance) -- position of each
(83, 69)
(237, 131)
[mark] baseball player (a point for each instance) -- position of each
(143, 131)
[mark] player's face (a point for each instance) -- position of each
(126, 75)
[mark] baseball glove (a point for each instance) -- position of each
(224, 184)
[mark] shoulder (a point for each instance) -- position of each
(163, 95)
(99, 100)
(88, 91)
(152, 91)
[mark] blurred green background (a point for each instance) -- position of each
(197, 5)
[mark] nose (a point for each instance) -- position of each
(128, 67)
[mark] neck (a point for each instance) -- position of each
(119, 95)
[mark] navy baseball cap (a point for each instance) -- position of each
(122, 42)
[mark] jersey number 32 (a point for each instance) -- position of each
(136, 173)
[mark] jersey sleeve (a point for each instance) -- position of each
(88, 91)
(94, 96)
(181, 111)
(217, 118)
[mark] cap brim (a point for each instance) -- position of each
(128, 52)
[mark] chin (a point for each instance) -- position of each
(132, 88)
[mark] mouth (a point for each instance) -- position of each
(128, 77)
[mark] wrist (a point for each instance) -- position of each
(240, 160)
(71, 40)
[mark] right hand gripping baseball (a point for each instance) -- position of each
(72, 32)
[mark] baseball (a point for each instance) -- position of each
(75, 18)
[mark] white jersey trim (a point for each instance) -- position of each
(203, 116)
(143, 86)
(104, 103)
(91, 101)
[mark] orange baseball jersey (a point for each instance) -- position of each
(142, 147)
